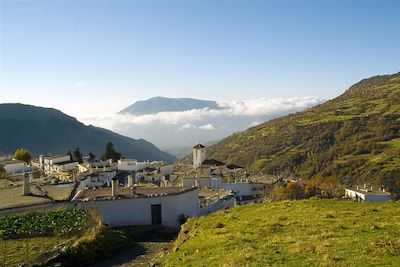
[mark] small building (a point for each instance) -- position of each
(132, 165)
(141, 206)
(58, 163)
(16, 167)
(199, 155)
(367, 194)
(99, 178)
(167, 169)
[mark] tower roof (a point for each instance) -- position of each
(199, 146)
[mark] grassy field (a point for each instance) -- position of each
(17, 251)
(292, 233)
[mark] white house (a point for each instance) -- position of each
(132, 165)
(16, 167)
(367, 194)
(244, 188)
(141, 206)
(167, 169)
(51, 164)
(100, 178)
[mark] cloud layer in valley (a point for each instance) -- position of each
(184, 128)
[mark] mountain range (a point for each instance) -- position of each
(47, 130)
(352, 139)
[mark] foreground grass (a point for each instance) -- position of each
(26, 250)
(97, 244)
(292, 233)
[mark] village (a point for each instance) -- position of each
(129, 192)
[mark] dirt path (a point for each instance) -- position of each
(144, 254)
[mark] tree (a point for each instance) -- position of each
(22, 154)
(91, 156)
(2, 172)
(110, 153)
(77, 155)
(311, 189)
(294, 190)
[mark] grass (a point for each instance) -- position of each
(99, 243)
(292, 233)
(18, 251)
(394, 143)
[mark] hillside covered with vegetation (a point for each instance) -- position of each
(46, 130)
(292, 233)
(352, 139)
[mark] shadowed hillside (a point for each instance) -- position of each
(353, 138)
(46, 130)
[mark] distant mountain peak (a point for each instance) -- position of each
(165, 104)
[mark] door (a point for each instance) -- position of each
(156, 214)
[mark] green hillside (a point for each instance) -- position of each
(47, 130)
(292, 233)
(354, 138)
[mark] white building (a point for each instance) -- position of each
(100, 178)
(244, 188)
(51, 164)
(367, 194)
(132, 165)
(142, 206)
(167, 169)
(199, 155)
(16, 167)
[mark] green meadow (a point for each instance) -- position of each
(292, 233)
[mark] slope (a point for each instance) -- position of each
(292, 233)
(351, 139)
(46, 130)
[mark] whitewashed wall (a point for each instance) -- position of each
(137, 211)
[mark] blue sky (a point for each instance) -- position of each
(92, 57)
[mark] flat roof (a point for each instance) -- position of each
(13, 161)
(126, 192)
(368, 191)
(65, 162)
(53, 156)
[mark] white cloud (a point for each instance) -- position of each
(250, 108)
(208, 126)
(178, 129)
(187, 126)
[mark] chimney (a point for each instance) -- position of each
(114, 187)
(130, 181)
(207, 201)
(26, 186)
